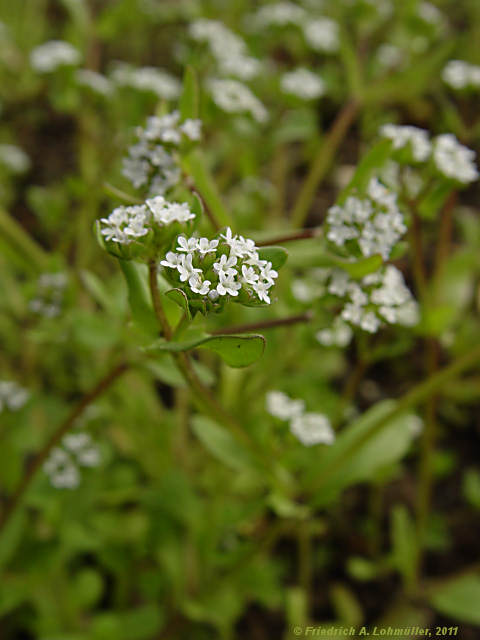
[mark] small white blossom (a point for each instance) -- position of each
(62, 466)
(94, 81)
(454, 160)
(413, 137)
(460, 75)
(227, 284)
(187, 245)
(279, 14)
(192, 129)
(279, 405)
(49, 298)
(12, 396)
(51, 55)
(312, 429)
(224, 267)
(303, 83)
(234, 97)
(339, 335)
(375, 223)
(204, 246)
(322, 34)
(186, 269)
(157, 81)
(14, 158)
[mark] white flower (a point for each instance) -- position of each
(453, 159)
(234, 97)
(197, 286)
(224, 267)
(338, 335)
(322, 34)
(51, 55)
(228, 284)
(459, 74)
(171, 260)
(185, 267)
(94, 81)
(261, 289)
(12, 396)
(192, 129)
(249, 275)
(187, 245)
(414, 137)
(204, 246)
(228, 49)
(14, 158)
(303, 83)
(312, 428)
(279, 405)
(151, 79)
(279, 14)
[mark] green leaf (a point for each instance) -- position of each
(220, 443)
(371, 162)
(138, 298)
(179, 297)
(404, 543)
(355, 456)
(31, 255)
(360, 268)
(195, 165)
(276, 255)
(236, 351)
(458, 599)
(190, 95)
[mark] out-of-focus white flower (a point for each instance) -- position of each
(389, 55)
(322, 34)
(279, 405)
(279, 14)
(151, 161)
(417, 140)
(158, 81)
(460, 75)
(51, 55)
(454, 160)
(62, 466)
(228, 49)
(12, 395)
(303, 83)
(312, 428)
(375, 223)
(14, 158)
(234, 97)
(49, 298)
(430, 13)
(339, 335)
(94, 81)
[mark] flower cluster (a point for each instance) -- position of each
(235, 97)
(309, 428)
(303, 83)
(229, 265)
(449, 157)
(459, 74)
(338, 335)
(157, 81)
(94, 81)
(228, 49)
(417, 140)
(321, 34)
(454, 160)
(151, 161)
(12, 396)
(374, 223)
(51, 55)
(126, 225)
(377, 298)
(49, 299)
(62, 466)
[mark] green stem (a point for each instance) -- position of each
(322, 162)
(266, 324)
(16, 498)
